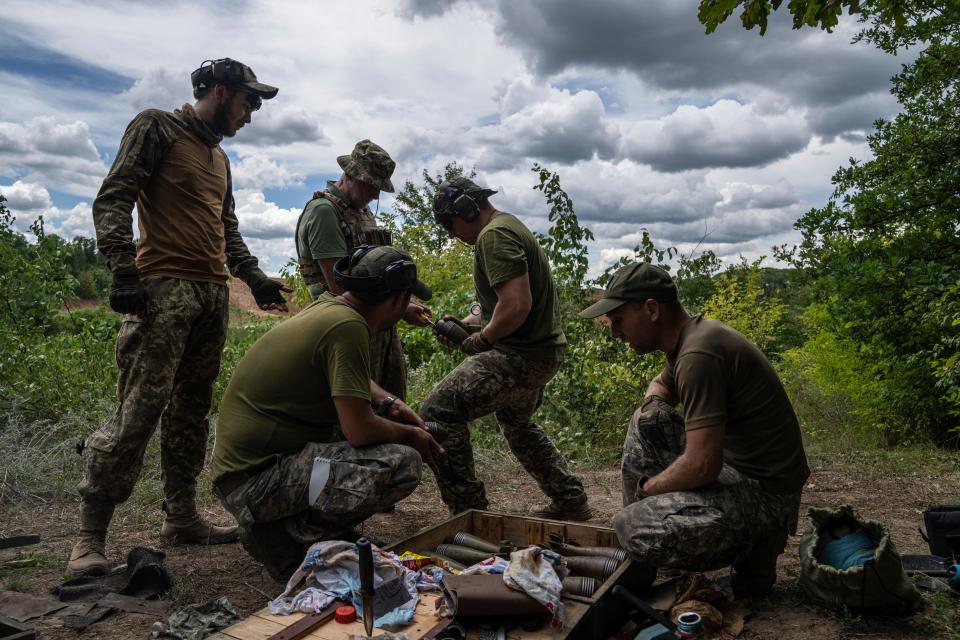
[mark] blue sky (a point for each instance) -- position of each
(716, 142)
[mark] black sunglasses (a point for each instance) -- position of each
(253, 100)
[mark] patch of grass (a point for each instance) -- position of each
(40, 459)
(16, 581)
(15, 574)
(941, 616)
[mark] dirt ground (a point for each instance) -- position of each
(202, 574)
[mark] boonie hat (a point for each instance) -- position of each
(233, 74)
(384, 269)
(369, 163)
(635, 281)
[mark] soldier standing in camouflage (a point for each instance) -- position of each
(171, 286)
(721, 485)
(336, 221)
(308, 446)
(515, 350)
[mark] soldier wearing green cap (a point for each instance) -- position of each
(515, 350)
(336, 221)
(308, 446)
(171, 285)
(720, 485)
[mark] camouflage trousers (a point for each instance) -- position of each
(277, 519)
(510, 387)
(696, 530)
(388, 368)
(168, 361)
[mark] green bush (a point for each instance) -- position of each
(740, 301)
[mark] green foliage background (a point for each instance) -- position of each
(864, 327)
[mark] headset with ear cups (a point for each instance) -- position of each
(452, 200)
(212, 72)
(400, 275)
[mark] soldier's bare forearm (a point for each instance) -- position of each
(661, 390)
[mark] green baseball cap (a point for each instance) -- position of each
(369, 163)
(385, 269)
(635, 281)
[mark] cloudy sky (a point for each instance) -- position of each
(708, 142)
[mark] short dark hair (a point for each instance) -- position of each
(199, 93)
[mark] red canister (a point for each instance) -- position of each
(345, 615)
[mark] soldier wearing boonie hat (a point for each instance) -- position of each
(733, 465)
(333, 224)
(171, 286)
(307, 445)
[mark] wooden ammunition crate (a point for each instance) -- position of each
(594, 617)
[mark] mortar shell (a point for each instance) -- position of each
(580, 585)
(439, 558)
(466, 555)
(607, 552)
(593, 566)
(466, 540)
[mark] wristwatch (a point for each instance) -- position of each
(385, 405)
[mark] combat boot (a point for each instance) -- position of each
(576, 510)
(755, 575)
(274, 547)
(196, 530)
(88, 556)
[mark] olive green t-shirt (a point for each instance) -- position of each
(506, 249)
(281, 394)
(319, 234)
(724, 379)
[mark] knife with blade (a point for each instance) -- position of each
(365, 563)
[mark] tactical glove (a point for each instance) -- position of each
(266, 291)
(127, 294)
(475, 344)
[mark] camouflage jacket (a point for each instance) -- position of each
(357, 225)
(145, 142)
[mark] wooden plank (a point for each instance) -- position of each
(254, 628)
(534, 532)
(608, 539)
(488, 526)
(264, 614)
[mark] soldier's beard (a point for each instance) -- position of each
(221, 121)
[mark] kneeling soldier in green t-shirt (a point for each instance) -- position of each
(308, 446)
(721, 484)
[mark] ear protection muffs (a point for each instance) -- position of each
(452, 200)
(213, 72)
(400, 275)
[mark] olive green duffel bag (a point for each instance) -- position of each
(850, 562)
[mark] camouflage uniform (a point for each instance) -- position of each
(168, 359)
(697, 530)
(511, 387)
(358, 226)
(277, 521)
